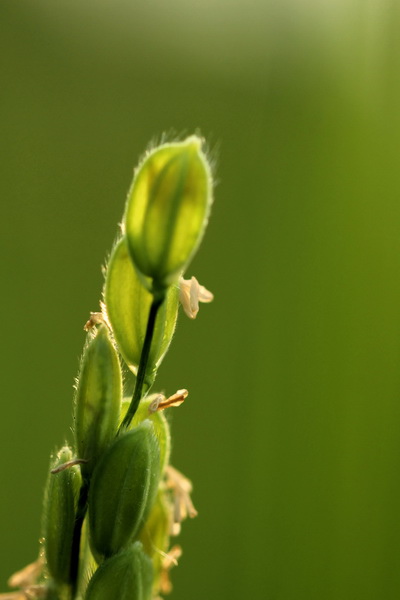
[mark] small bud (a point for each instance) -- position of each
(125, 576)
(167, 209)
(123, 489)
(61, 499)
(127, 306)
(98, 399)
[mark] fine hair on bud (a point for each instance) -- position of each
(167, 209)
(97, 398)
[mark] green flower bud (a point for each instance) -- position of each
(161, 426)
(123, 489)
(128, 304)
(125, 576)
(87, 562)
(155, 534)
(60, 504)
(98, 399)
(167, 209)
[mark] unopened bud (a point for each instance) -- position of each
(127, 304)
(60, 504)
(125, 576)
(123, 489)
(155, 534)
(161, 426)
(167, 209)
(98, 399)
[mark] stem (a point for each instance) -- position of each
(76, 538)
(144, 358)
(158, 299)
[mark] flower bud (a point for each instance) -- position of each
(167, 209)
(60, 504)
(155, 534)
(161, 426)
(125, 576)
(98, 399)
(127, 304)
(123, 489)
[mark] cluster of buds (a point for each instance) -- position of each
(112, 499)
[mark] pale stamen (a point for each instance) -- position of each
(190, 294)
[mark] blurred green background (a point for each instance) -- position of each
(291, 433)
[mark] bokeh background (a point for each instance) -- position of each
(291, 433)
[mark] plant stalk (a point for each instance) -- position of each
(158, 299)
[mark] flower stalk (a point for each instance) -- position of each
(112, 500)
(144, 359)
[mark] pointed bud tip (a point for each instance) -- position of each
(194, 143)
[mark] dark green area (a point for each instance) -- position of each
(291, 432)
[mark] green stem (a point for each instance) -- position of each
(144, 359)
(158, 299)
(76, 539)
